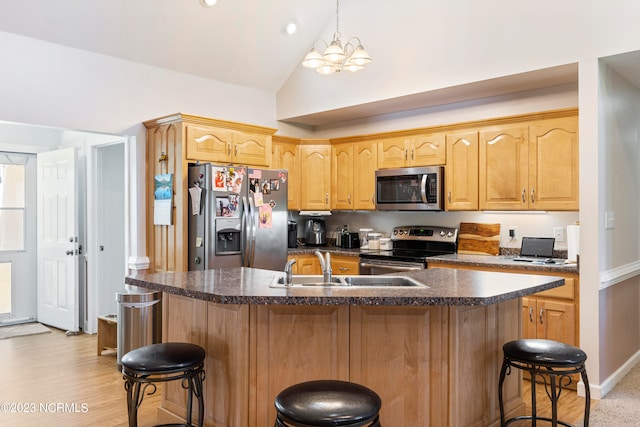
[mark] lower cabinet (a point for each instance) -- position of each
(422, 361)
(310, 265)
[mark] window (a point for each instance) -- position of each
(12, 202)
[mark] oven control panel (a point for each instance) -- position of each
(425, 233)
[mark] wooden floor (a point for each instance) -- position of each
(61, 381)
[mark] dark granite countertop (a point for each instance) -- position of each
(480, 261)
(444, 287)
(507, 263)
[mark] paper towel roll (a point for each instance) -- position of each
(573, 242)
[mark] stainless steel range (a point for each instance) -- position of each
(412, 246)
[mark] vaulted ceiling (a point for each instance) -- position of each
(236, 41)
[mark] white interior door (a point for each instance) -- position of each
(58, 247)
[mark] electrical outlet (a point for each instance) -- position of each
(558, 233)
(512, 232)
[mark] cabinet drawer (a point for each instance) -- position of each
(565, 292)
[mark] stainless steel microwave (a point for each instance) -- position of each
(410, 189)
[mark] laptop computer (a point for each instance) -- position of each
(536, 249)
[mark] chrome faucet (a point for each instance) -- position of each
(325, 265)
(288, 270)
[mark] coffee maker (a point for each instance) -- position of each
(292, 236)
(315, 232)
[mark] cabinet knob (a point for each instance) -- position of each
(524, 195)
(449, 196)
(349, 198)
(530, 314)
(533, 195)
(541, 311)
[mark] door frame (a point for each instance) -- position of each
(94, 263)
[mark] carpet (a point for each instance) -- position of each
(621, 406)
(22, 330)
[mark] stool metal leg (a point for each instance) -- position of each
(503, 372)
(534, 403)
(587, 397)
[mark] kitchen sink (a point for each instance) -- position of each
(347, 281)
(386, 281)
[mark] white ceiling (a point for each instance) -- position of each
(235, 41)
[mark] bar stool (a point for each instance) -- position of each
(545, 359)
(327, 403)
(145, 366)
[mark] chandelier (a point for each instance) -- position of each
(335, 58)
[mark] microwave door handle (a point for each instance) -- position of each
(423, 188)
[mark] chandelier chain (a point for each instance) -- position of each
(338, 18)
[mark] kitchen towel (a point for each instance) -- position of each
(573, 242)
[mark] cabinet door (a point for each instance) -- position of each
(315, 167)
(342, 174)
(461, 173)
(285, 156)
(553, 164)
(208, 143)
(307, 264)
(556, 321)
(251, 149)
(365, 163)
(427, 150)
(504, 168)
(392, 152)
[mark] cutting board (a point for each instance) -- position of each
(479, 239)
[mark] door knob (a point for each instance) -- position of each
(69, 252)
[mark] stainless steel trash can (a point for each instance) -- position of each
(139, 319)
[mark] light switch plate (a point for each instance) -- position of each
(558, 234)
(609, 220)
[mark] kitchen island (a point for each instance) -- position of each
(432, 352)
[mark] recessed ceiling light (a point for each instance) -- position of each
(208, 3)
(290, 27)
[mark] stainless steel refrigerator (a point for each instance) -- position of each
(237, 217)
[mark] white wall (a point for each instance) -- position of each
(47, 84)
(458, 42)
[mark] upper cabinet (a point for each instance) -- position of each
(285, 156)
(417, 150)
(461, 172)
(315, 179)
(353, 175)
(211, 143)
(553, 164)
(530, 166)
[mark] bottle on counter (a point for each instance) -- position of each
(374, 240)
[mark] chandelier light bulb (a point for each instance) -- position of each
(352, 57)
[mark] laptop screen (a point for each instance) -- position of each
(539, 247)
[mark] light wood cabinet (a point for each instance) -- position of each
(305, 264)
(504, 168)
(461, 172)
(211, 144)
(553, 164)
(531, 166)
(342, 175)
(414, 150)
(172, 142)
(353, 175)
(315, 181)
(285, 156)
(344, 265)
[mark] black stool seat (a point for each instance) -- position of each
(551, 362)
(163, 358)
(544, 352)
(327, 403)
(145, 366)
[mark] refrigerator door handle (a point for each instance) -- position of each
(246, 227)
(254, 231)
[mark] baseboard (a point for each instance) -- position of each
(598, 392)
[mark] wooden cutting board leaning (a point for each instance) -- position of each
(479, 239)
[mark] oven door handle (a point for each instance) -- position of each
(391, 267)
